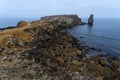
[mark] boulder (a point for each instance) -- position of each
(1, 48)
(59, 60)
(116, 65)
(99, 78)
(76, 63)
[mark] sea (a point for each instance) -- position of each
(103, 36)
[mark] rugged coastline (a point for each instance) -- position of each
(40, 50)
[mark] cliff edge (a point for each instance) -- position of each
(62, 20)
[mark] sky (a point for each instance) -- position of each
(38, 8)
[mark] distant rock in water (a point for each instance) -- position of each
(91, 19)
(63, 20)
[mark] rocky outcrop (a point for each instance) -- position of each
(91, 19)
(116, 65)
(21, 24)
(64, 20)
(39, 50)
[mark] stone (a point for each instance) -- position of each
(1, 49)
(99, 78)
(84, 77)
(91, 19)
(98, 59)
(103, 62)
(76, 63)
(116, 65)
(59, 60)
(4, 58)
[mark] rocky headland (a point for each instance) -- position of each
(64, 20)
(41, 50)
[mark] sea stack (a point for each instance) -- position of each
(91, 19)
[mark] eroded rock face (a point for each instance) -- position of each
(63, 20)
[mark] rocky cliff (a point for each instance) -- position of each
(39, 50)
(63, 20)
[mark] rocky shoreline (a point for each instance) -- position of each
(41, 50)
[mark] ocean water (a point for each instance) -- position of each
(5, 22)
(104, 36)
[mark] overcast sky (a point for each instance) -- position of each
(37, 8)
